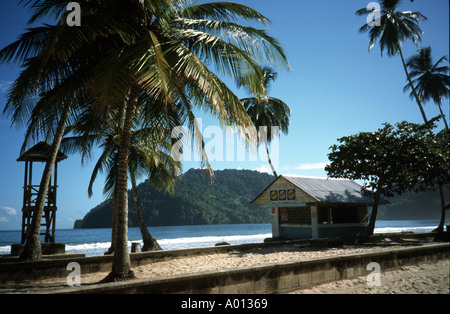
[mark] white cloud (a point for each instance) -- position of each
(311, 166)
(7, 211)
(264, 168)
(305, 166)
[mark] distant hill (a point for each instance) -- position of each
(415, 206)
(197, 201)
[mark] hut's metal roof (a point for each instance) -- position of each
(330, 190)
(40, 152)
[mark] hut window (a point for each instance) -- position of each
(324, 215)
(345, 215)
(295, 215)
(341, 214)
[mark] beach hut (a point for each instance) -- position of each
(311, 208)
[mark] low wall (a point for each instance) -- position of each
(274, 278)
(11, 270)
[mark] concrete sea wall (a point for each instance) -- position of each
(275, 278)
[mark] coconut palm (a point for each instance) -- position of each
(44, 97)
(431, 81)
(149, 151)
(159, 48)
(267, 112)
(395, 27)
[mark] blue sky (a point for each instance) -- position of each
(336, 88)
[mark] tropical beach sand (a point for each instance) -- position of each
(426, 278)
(431, 278)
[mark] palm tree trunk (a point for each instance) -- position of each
(440, 227)
(121, 268)
(373, 215)
(270, 161)
(412, 86)
(32, 250)
(150, 243)
(443, 116)
(113, 227)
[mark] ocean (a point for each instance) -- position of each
(94, 242)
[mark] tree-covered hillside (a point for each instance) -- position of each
(415, 206)
(196, 201)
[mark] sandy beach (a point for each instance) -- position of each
(431, 278)
(426, 278)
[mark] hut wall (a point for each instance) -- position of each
(296, 232)
(342, 230)
(283, 184)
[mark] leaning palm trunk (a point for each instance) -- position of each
(412, 86)
(443, 116)
(270, 160)
(113, 228)
(150, 243)
(32, 250)
(121, 268)
(440, 227)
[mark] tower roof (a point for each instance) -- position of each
(40, 152)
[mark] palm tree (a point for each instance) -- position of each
(268, 112)
(395, 27)
(155, 47)
(166, 59)
(431, 81)
(44, 97)
(149, 154)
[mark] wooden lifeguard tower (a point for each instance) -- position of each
(39, 153)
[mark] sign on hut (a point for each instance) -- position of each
(311, 208)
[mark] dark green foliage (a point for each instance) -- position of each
(413, 206)
(196, 201)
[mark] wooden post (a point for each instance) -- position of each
(53, 216)
(314, 222)
(275, 223)
(135, 247)
(25, 184)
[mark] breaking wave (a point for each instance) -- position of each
(99, 248)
